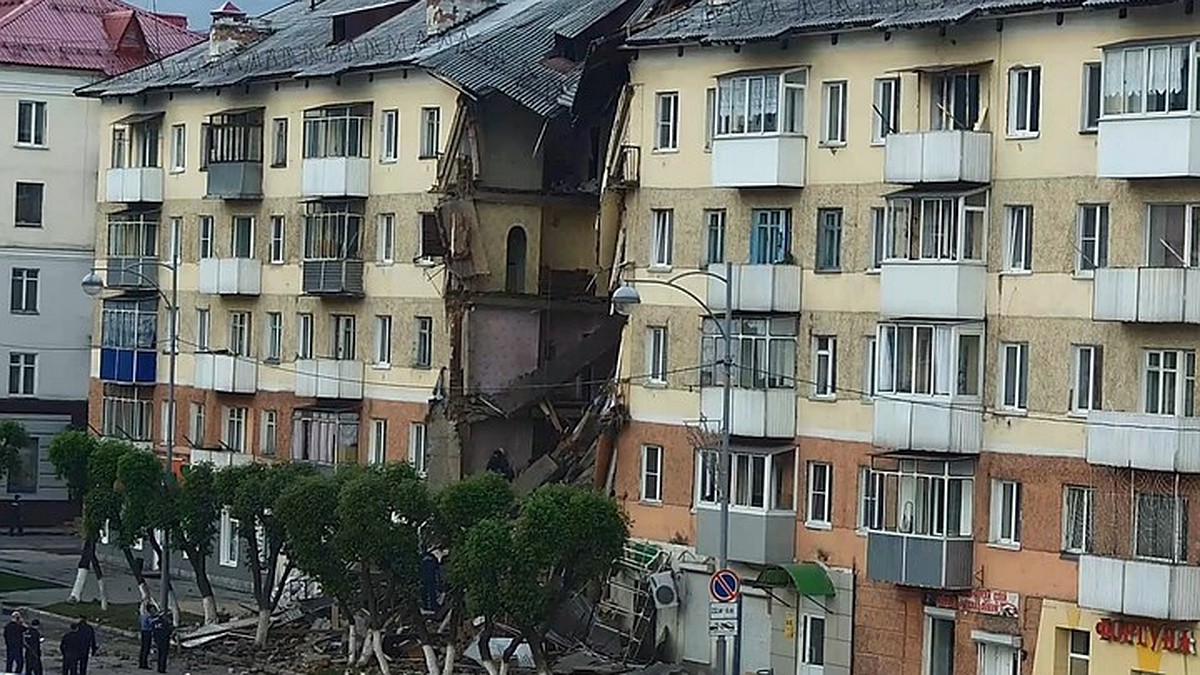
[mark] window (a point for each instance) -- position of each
(820, 494)
(304, 336)
(757, 481)
(1092, 244)
(813, 653)
(378, 447)
(29, 204)
(176, 239)
(279, 136)
(1149, 79)
(274, 336)
(710, 116)
(770, 236)
(241, 239)
(833, 127)
(278, 237)
(31, 123)
(196, 424)
(936, 228)
(1173, 235)
(764, 353)
(1170, 382)
(206, 237)
(431, 131)
(1092, 89)
(878, 233)
(120, 146)
(997, 659)
(418, 448)
(955, 101)
(239, 333)
(869, 388)
(228, 544)
(269, 422)
(423, 343)
(1079, 650)
(24, 291)
(233, 136)
(870, 508)
(203, 328)
(22, 374)
(656, 354)
(652, 473)
(125, 412)
(1078, 518)
(1014, 386)
(391, 136)
(133, 235)
(714, 236)
(429, 238)
(1018, 249)
(337, 131)
(1087, 362)
(178, 147)
(345, 342)
(824, 366)
(829, 240)
(235, 429)
(333, 231)
(1006, 513)
(662, 241)
(1160, 527)
(383, 340)
(926, 359)
(1024, 101)
(667, 113)
(750, 104)
(886, 114)
(385, 238)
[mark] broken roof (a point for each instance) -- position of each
(738, 21)
(508, 50)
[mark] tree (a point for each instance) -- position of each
(250, 493)
(197, 512)
(71, 454)
(103, 506)
(13, 439)
(146, 506)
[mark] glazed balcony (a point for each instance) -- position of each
(775, 160)
(134, 185)
(1157, 146)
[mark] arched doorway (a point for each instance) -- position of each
(514, 272)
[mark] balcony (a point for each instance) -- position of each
(132, 273)
(230, 276)
(128, 366)
(906, 289)
(938, 157)
(336, 176)
(329, 378)
(758, 161)
(1146, 295)
(755, 537)
(917, 560)
(1157, 590)
(1143, 441)
(761, 413)
(226, 373)
(928, 423)
(235, 180)
(133, 185)
(1149, 147)
(342, 277)
(219, 458)
(757, 288)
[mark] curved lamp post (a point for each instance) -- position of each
(93, 285)
(625, 297)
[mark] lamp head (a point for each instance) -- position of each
(626, 296)
(92, 284)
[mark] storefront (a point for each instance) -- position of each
(1073, 640)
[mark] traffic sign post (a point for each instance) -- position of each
(725, 610)
(725, 586)
(723, 618)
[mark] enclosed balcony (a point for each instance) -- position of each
(952, 156)
(759, 140)
(759, 161)
(329, 378)
(763, 401)
(233, 146)
(135, 172)
(1146, 295)
(132, 249)
(132, 185)
(337, 151)
(125, 365)
(333, 263)
(920, 519)
(1143, 441)
(340, 278)
(128, 335)
(762, 510)
(230, 276)
(1153, 589)
(757, 288)
(226, 373)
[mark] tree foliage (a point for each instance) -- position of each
(13, 439)
(70, 452)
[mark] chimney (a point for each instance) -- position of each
(177, 20)
(442, 15)
(231, 30)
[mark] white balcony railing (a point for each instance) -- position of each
(130, 186)
(230, 276)
(1160, 146)
(932, 289)
(1157, 590)
(1146, 295)
(938, 157)
(762, 413)
(336, 177)
(931, 423)
(1143, 441)
(759, 161)
(329, 378)
(757, 288)
(226, 373)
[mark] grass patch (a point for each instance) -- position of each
(15, 582)
(123, 617)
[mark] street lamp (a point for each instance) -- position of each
(93, 285)
(625, 297)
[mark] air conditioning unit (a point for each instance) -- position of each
(662, 587)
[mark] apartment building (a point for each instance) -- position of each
(381, 219)
(48, 206)
(962, 246)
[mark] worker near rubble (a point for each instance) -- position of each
(14, 643)
(33, 648)
(499, 464)
(146, 626)
(88, 647)
(162, 630)
(69, 647)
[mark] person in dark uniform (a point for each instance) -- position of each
(14, 643)
(87, 644)
(499, 464)
(162, 638)
(33, 648)
(146, 626)
(69, 646)
(16, 519)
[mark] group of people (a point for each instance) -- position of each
(156, 629)
(23, 646)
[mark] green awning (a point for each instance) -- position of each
(808, 578)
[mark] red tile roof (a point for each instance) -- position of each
(109, 36)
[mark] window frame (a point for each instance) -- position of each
(23, 374)
(662, 238)
(1091, 91)
(666, 121)
(178, 148)
(207, 232)
(1004, 490)
(1074, 656)
(774, 467)
(1093, 397)
(770, 236)
(38, 117)
(277, 250)
(279, 142)
(651, 479)
(834, 135)
(228, 550)
(377, 448)
(383, 341)
(389, 133)
(1120, 78)
(900, 357)
(1179, 530)
(25, 290)
(305, 336)
(274, 341)
(385, 239)
(813, 652)
(431, 130)
(1083, 541)
(1029, 76)
(878, 239)
(917, 228)
(657, 356)
(818, 496)
(767, 345)
(41, 204)
(830, 230)
(714, 235)
(235, 430)
(423, 342)
(1020, 397)
(418, 440)
(345, 337)
(824, 350)
(1018, 230)
(203, 329)
(236, 223)
(790, 90)
(1096, 246)
(1184, 385)
(268, 422)
(869, 514)
(240, 333)
(885, 97)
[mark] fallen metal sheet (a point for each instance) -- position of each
(522, 656)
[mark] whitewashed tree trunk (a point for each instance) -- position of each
(431, 660)
(210, 610)
(504, 668)
(81, 576)
(352, 649)
(143, 591)
(367, 648)
(489, 665)
(260, 632)
(103, 584)
(175, 611)
(451, 656)
(377, 647)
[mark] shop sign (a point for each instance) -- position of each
(983, 601)
(1159, 638)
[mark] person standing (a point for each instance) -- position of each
(33, 648)
(88, 646)
(162, 638)
(69, 646)
(16, 519)
(14, 643)
(146, 624)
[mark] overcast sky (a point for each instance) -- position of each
(197, 10)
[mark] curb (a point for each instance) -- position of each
(69, 619)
